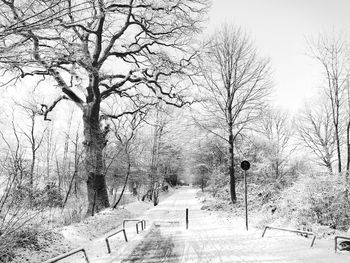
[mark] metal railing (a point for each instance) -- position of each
(294, 231)
(336, 241)
(107, 242)
(68, 254)
(138, 221)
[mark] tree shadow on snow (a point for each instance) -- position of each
(156, 247)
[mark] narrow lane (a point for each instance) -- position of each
(214, 239)
(162, 243)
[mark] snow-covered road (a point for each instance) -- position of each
(214, 239)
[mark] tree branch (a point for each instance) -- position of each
(45, 110)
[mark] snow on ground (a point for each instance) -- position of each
(212, 237)
(83, 234)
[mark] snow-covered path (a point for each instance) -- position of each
(214, 239)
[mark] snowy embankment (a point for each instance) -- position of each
(260, 217)
(83, 234)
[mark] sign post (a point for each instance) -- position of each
(186, 218)
(245, 165)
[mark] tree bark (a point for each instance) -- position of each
(155, 194)
(277, 170)
(329, 166)
(134, 189)
(202, 183)
(125, 183)
(58, 176)
(232, 169)
(33, 146)
(94, 144)
(348, 152)
(231, 150)
(69, 188)
(347, 162)
(338, 147)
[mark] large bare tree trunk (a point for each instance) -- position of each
(232, 167)
(94, 144)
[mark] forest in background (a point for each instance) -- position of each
(104, 100)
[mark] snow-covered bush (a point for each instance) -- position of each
(50, 196)
(317, 199)
(218, 184)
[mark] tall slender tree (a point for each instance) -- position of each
(316, 132)
(331, 52)
(126, 130)
(236, 85)
(34, 139)
(275, 126)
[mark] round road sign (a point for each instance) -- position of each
(245, 165)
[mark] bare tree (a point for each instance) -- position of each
(94, 50)
(235, 89)
(347, 129)
(73, 183)
(63, 159)
(316, 132)
(35, 140)
(16, 193)
(331, 53)
(125, 130)
(277, 130)
(158, 134)
(50, 147)
(16, 165)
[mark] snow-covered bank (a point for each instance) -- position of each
(85, 233)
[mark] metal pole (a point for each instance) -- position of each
(126, 239)
(186, 218)
(245, 198)
(108, 247)
(335, 244)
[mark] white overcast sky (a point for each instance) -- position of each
(279, 28)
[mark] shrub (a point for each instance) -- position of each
(319, 200)
(26, 237)
(51, 196)
(20, 245)
(218, 184)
